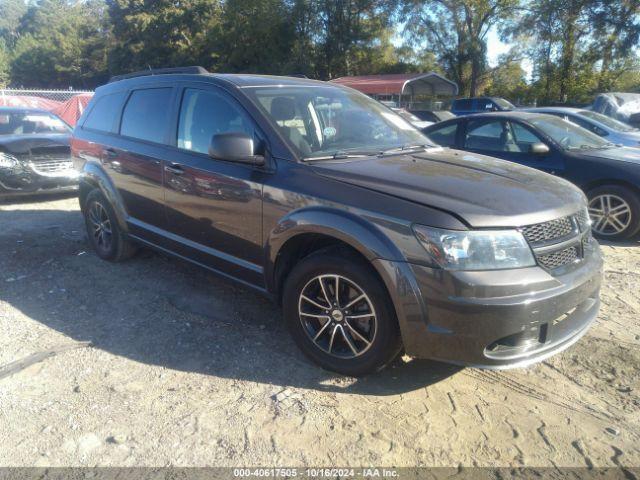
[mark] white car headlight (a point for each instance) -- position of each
(7, 161)
(475, 250)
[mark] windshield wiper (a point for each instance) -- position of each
(341, 154)
(404, 148)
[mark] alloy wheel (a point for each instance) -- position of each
(101, 226)
(337, 315)
(610, 214)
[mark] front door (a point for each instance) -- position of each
(510, 140)
(214, 207)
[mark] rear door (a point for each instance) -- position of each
(135, 158)
(214, 207)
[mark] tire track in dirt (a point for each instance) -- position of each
(534, 391)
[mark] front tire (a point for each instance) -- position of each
(107, 239)
(340, 314)
(614, 212)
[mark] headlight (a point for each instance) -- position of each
(475, 250)
(7, 161)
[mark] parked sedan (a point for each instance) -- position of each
(35, 156)
(412, 119)
(613, 130)
(607, 173)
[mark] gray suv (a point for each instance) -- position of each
(375, 241)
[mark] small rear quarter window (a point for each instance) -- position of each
(104, 113)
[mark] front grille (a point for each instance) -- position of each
(552, 230)
(53, 166)
(558, 259)
(584, 222)
(571, 235)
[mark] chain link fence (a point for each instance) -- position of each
(55, 95)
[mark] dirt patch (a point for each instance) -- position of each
(157, 363)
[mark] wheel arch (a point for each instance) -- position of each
(309, 230)
(94, 177)
(612, 181)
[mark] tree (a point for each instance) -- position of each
(11, 12)
(160, 33)
(61, 43)
(253, 36)
(456, 31)
(616, 25)
(5, 67)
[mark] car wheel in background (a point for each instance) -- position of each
(614, 212)
(340, 314)
(105, 235)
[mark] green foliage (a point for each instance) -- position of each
(456, 31)
(160, 33)
(11, 11)
(577, 47)
(5, 67)
(61, 43)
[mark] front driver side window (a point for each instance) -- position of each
(205, 113)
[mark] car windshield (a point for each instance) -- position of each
(330, 122)
(612, 123)
(502, 103)
(568, 135)
(25, 123)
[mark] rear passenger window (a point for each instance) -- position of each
(206, 113)
(103, 115)
(445, 136)
(146, 114)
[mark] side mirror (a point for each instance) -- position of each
(539, 148)
(234, 147)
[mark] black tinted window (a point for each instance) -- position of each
(205, 113)
(444, 136)
(465, 104)
(104, 113)
(146, 114)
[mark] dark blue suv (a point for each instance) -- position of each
(466, 106)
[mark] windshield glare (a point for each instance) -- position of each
(569, 135)
(329, 121)
(502, 103)
(608, 121)
(25, 123)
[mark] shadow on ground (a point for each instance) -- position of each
(161, 311)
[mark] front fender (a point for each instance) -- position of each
(354, 230)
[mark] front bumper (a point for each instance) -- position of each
(27, 179)
(493, 319)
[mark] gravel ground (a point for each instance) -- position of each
(153, 362)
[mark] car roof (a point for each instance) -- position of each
(239, 80)
(554, 109)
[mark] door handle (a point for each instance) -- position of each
(110, 153)
(175, 169)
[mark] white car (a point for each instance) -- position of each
(412, 119)
(613, 130)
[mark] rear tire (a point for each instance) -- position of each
(105, 235)
(614, 212)
(365, 332)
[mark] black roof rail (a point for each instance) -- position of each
(160, 71)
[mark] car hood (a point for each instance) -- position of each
(482, 191)
(22, 144)
(622, 154)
